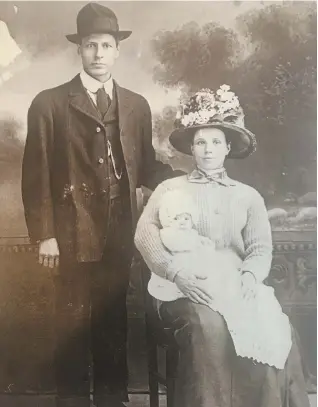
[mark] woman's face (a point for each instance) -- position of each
(210, 148)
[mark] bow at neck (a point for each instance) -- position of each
(220, 177)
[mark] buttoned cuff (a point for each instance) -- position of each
(249, 272)
(171, 272)
(259, 267)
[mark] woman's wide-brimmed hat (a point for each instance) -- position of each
(220, 109)
(94, 18)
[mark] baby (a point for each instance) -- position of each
(178, 216)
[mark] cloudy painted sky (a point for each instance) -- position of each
(40, 29)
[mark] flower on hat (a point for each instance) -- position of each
(225, 88)
(207, 106)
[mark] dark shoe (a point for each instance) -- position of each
(72, 402)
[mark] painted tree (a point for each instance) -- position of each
(277, 86)
(194, 56)
(11, 149)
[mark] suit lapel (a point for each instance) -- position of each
(125, 108)
(80, 100)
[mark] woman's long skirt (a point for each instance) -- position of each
(211, 375)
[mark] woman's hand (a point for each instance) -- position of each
(190, 285)
(248, 284)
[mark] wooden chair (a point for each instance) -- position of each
(158, 337)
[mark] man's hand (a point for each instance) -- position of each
(248, 285)
(189, 284)
(49, 253)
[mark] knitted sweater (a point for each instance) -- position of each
(233, 215)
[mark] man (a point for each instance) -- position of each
(88, 147)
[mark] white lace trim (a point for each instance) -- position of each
(259, 329)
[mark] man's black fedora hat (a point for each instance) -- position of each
(94, 18)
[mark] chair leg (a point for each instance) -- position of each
(172, 357)
(153, 392)
(153, 382)
(170, 392)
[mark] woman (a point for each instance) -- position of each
(210, 374)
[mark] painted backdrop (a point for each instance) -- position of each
(266, 52)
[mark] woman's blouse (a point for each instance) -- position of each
(231, 214)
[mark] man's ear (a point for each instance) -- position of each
(229, 147)
(118, 49)
(79, 49)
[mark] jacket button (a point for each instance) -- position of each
(101, 161)
(98, 129)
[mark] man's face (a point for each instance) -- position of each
(99, 53)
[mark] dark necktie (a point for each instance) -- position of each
(102, 101)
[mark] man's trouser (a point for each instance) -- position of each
(91, 316)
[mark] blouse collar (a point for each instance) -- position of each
(220, 177)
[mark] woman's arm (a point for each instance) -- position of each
(257, 240)
(148, 241)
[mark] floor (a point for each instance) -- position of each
(136, 400)
(142, 401)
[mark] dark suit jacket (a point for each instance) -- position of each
(58, 161)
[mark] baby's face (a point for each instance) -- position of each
(182, 221)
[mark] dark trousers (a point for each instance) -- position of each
(91, 317)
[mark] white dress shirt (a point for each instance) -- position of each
(92, 85)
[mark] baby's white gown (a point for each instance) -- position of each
(258, 327)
